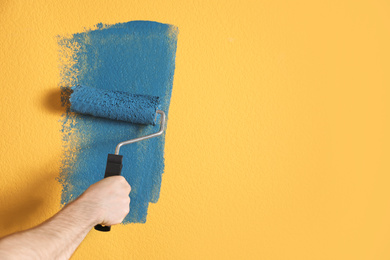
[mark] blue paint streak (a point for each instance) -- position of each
(137, 57)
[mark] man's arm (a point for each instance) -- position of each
(105, 202)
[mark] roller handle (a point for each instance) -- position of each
(113, 168)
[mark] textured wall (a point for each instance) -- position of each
(277, 144)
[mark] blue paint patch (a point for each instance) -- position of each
(136, 57)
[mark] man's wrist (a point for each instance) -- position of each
(89, 210)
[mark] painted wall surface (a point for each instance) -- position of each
(137, 57)
(277, 144)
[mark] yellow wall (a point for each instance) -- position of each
(278, 138)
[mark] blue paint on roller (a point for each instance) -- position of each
(137, 57)
(117, 105)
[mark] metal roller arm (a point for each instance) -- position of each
(162, 125)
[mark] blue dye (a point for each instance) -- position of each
(117, 105)
(137, 57)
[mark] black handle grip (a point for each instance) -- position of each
(113, 168)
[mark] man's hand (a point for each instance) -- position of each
(105, 202)
(110, 197)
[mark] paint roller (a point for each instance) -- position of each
(117, 105)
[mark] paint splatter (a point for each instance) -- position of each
(137, 57)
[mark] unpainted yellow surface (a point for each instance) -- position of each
(277, 144)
